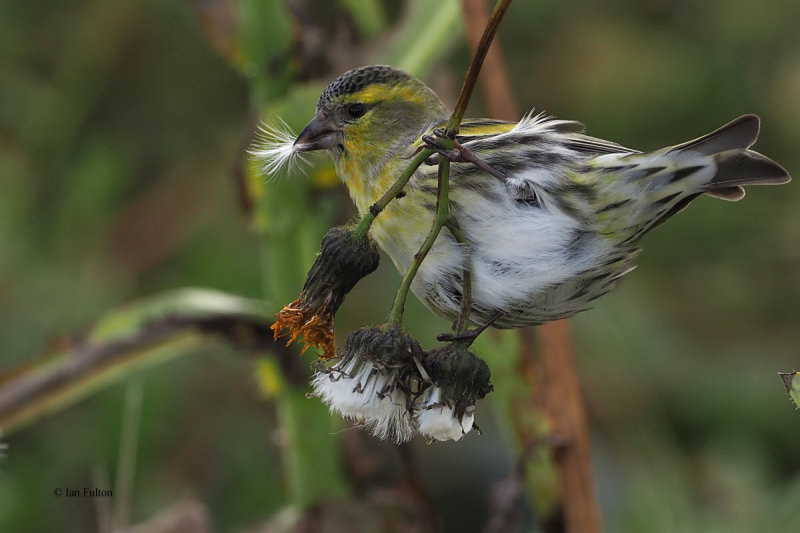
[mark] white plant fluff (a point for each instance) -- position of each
(358, 390)
(438, 421)
(275, 150)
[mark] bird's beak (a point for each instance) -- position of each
(318, 135)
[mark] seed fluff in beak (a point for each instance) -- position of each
(275, 149)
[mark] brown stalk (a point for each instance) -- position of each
(489, 26)
(558, 383)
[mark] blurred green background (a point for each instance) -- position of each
(122, 175)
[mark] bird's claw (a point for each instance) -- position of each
(471, 334)
(457, 154)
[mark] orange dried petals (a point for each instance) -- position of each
(315, 326)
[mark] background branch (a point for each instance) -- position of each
(154, 331)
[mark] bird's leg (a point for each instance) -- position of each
(471, 334)
(460, 324)
(459, 154)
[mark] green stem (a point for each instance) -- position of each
(375, 209)
(126, 463)
(442, 215)
(447, 143)
(312, 455)
(475, 67)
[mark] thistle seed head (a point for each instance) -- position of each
(459, 378)
(372, 381)
(343, 260)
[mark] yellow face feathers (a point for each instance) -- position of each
(375, 122)
(372, 94)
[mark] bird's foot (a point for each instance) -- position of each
(468, 336)
(457, 154)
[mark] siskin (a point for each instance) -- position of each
(554, 225)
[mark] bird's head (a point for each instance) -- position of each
(369, 111)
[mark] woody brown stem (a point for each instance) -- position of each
(564, 403)
(475, 67)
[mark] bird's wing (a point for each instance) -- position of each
(592, 146)
(481, 128)
(483, 132)
(534, 153)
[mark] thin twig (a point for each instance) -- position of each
(493, 81)
(461, 154)
(442, 213)
(447, 142)
(475, 67)
(391, 193)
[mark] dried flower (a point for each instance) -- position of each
(374, 381)
(343, 260)
(384, 381)
(446, 408)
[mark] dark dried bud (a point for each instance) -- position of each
(342, 262)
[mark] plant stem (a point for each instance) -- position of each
(442, 214)
(447, 143)
(375, 209)
(475, 67)
(126, 464)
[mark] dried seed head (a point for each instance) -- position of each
(343, 260)
(446, 409)
(371, 381)
(384, 380)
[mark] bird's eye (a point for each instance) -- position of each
(356, 110)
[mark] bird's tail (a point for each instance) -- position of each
(736, 164)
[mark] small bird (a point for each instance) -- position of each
(555, 223)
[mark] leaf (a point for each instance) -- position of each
(127, 340)
(265, 41)
(369, 16)
(426, 34)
